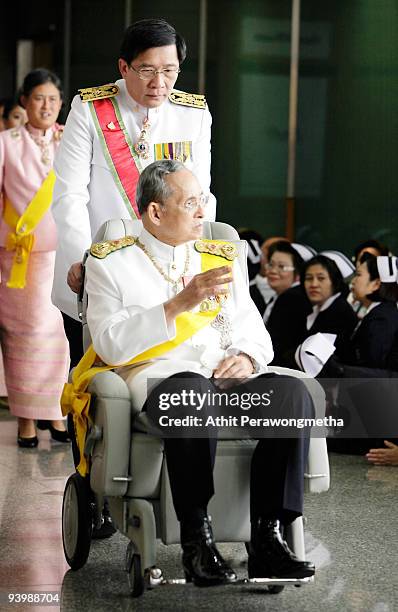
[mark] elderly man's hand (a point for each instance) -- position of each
(232, 368)
(75, 277)
(202, 286)
(384, 456)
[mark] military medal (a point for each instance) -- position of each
(141, 147)
(222, 324)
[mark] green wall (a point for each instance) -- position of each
(346, 183)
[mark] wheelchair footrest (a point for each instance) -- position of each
(260, 581)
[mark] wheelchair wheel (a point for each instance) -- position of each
(76, 521)
(134, 573)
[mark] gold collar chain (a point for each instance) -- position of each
(172, 281)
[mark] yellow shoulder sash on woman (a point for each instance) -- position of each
(21, 238)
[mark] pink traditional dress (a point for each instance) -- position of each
(33, 343)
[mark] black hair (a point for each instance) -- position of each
(387, 292)
(372, 243)
(148, 33)
(9, 104)
(37, 77)
(336, 278)
(254, 241)
(282, 246)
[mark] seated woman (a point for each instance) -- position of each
(323, 281)
(372, 351)
(262, 277)
(374, 247)
(375, 341)
(286, 312)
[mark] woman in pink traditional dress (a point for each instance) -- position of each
(32, 338)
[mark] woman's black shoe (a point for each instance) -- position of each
(56, 434)
(31, 442)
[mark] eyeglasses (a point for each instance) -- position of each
(192, 205)
(279, 267)
(146, 74)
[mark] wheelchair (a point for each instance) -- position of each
(128, 468)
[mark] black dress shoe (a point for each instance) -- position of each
(202, 562)
(107, 528)
(56, 434)
(31, 442)
(270, 556)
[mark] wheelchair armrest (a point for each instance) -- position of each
(289, 372)
(109, 385)
(111, 413)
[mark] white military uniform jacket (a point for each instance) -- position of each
(85, 194)
(126, 316)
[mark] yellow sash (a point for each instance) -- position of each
(75, 397)
(21, 239)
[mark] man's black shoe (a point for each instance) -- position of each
(270, 556)
(106, 530)
(202, 562)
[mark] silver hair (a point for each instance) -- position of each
(152, 186)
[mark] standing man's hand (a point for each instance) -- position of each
(75, 277)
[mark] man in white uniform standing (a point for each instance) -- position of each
(112, 133)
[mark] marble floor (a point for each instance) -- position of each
(351, 535)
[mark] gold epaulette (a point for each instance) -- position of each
(88, 94)
(102, 249)
(187, 99)
(222, 249)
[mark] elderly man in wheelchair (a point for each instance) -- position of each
(171, 312)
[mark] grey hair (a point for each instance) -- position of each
(152, 186)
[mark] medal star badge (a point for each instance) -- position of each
(141, 147)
